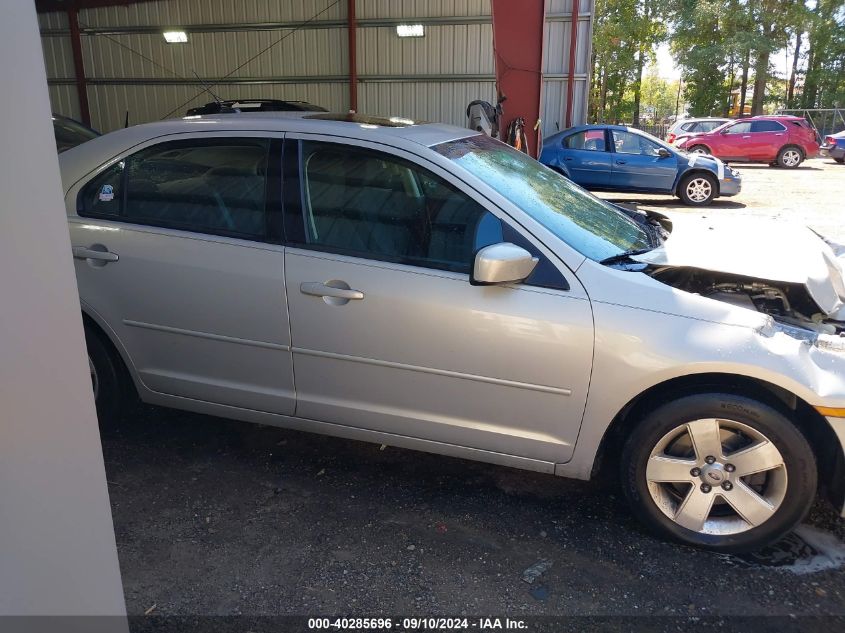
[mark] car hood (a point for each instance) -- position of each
(758, 248)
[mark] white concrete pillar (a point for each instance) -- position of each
(57, 546)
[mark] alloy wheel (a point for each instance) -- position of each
(716, 476)
(699, 189)
(791, 157)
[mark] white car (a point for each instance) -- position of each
(427, 287)
(686, 127)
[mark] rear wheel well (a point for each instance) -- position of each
(822, 439)
(796, 146)
(92, 326)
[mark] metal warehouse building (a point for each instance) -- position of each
(109, 62)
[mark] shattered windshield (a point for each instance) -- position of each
(591, 226)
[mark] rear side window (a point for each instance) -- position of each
(103, 196)
(689, 127)
(767, 126)
(214, 186)
(706, 126)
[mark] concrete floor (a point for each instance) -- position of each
(220, 517)
(810, 194)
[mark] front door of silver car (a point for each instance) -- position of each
(389, 335)
(173, 254)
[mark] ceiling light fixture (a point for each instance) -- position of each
(410, 30)
(175, 37)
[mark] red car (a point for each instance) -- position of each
(783, 141)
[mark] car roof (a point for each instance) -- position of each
(773, 117)
(79, 161)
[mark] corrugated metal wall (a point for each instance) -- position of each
(131, 68)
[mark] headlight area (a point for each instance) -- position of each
(817, 360)
(822, 356)
(828, 342)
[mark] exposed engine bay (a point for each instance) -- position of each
(785, 302)
(708, 257)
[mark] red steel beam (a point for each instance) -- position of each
(518, 33)
(353, 55)
(79, 66)
(573, 49)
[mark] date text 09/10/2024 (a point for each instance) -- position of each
(417, 624)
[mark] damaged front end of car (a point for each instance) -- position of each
(790, 305)
(787, 272)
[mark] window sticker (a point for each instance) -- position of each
(106, 193)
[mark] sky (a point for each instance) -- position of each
(666, 66)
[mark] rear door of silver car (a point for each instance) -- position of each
(178, 250)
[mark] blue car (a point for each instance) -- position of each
(834, 146)
(619, 158)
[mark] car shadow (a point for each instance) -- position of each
(803, 167)
(673, 202)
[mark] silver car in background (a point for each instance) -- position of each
(426, 287)
(685, 127)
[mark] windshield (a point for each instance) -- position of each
(591, 226)
(69, 133)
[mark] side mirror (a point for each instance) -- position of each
(502, 263)
(664, 153)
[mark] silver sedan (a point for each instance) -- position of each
(424, 286)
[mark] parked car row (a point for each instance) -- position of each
(692, 163)
(784, 141)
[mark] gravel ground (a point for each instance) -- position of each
(220, 517)
(809, 194)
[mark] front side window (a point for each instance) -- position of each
(739, 128)
(369, 204)
(631, 143)
(591, 140)
(214, 186)
(591, 226)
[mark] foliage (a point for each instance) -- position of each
(720, 45)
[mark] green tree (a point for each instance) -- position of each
(658, 95)
(824, 82)
(626, 33)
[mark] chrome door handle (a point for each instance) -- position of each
(620, 162)
(81, 252)
(747, 136)
(319, 289)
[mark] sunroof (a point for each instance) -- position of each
(351, 117)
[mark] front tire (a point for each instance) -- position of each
(790, 157)
(840, 160)
(699, 149)
(697, 189)
(719, 471)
